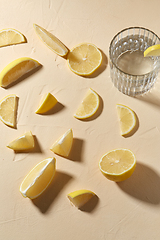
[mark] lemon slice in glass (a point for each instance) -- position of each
(47, 103)
(152, 51)
(11, 36)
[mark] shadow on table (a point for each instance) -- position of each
(144, 184)
(90, 205)
(76, 151)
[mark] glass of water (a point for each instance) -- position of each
(130, 72)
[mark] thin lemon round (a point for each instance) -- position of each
(47, 103)
(127, 119)
(11, 36)
(38, 179)
(84, 59)
(63, 145)
(118, 164)
(152, 51)
(16, 69)
(8, 110)
(80, 197)
(24, 142)
(51, 41)
(89, 105)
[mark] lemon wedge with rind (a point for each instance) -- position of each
(51, 41)
(16, 69)
(11, 36)
(84, 59)
(8, 110)
(46, 104)
(118, 164)
(79, 198)
(24, 142)
(89, 105)
(38, 179)
(152, 51)
(127, 119)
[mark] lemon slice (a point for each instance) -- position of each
(80, 197)
(127, 119)
(11, 37)
(47, 103)
(24, 142)
(84, 59)
(51, 41)
(16, 69)
(152, 51)
(63, 145)
(89, 105)
(38, 179)
(8, 110)
(118, 165)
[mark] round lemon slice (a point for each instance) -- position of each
(80, 197)
(47, 103)
(51, 41)
(38, 179)
(11, 36)
(84, 59)
(89, 105)
(16, 69)
(118, 164)
(8, 110)
(152, 51)
(127, 119)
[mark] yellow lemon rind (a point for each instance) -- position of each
(152, 51)
(46, 104)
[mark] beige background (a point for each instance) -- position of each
(127, 210)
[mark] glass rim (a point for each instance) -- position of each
(128, 74)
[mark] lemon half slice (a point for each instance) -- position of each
(152, 51)
(11, 36)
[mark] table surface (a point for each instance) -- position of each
(126, 210)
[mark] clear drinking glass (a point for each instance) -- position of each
(130, 72)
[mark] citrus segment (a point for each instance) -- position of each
(38, 179)
(64, 144)
(51, 41)
(11, 37)
(89, 106)
(84, 59)
(24, 142)
(127, 119)
(80, 197)
(152, 51)
(8, 110)
(47, 103)
(16, 69)
(118, 165)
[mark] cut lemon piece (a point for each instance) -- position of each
(127, 119)
(84, 59)
(11, 37)
(8, 110)
(38, 179)
(152, 51)
(88, 106)
(24, 142)
(80, 197)
(16, 69)
(51, 41)
(118, 165)
(64, 144)
(47, 103)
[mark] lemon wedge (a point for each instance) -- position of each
(8, 110)
(118, 164)
(38, 179)
(63, 145)
(152, 51)
(127, 119)
(51, 41)
(47, 103)
(80, 197)
(11, 36)
(84, 59)
(24, 142)
(16, 69)
(89, 105)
